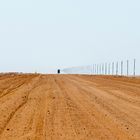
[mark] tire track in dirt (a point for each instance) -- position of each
(64, 128)
(114, 108)
(110, 87)
(14, 104)
(70, 107)
(97, 126)
(16, 83)
(116, 84)
(32, 115)
(121, 92)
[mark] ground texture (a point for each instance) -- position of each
(69, 107)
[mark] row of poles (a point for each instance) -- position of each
(113, 68)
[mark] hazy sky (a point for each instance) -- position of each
(40, 35)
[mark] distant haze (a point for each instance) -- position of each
(41, 36)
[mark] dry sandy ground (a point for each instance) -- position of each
(69, 107)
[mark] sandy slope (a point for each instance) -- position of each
(69, 107)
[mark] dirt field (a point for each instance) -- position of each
(69, 107)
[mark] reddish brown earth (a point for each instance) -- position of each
(69, 107)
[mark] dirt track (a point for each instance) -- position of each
(69, 107)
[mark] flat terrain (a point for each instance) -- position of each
(69, 107)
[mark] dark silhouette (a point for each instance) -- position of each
(58, 71)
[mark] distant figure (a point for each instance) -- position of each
(58, 71)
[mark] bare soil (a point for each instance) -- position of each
(69, 107)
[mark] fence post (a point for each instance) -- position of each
(134, 73)
(109, 68)
(93, 69)
(117, 68)
(121, 68)
(105, 68)
(113, 68)
(127, 67)
(97, 69)
(100, 69)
